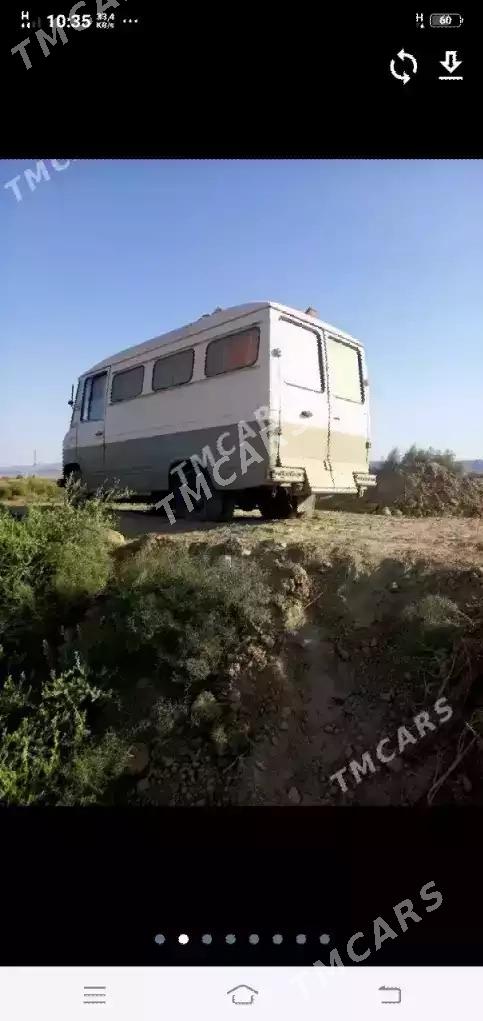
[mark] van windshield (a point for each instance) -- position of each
(75, 404)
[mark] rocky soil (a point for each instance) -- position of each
(424, 490)
(334, 675)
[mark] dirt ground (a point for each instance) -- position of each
(334, 686)
(337, 690)
(443, 540)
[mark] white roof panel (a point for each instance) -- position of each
(208, 322)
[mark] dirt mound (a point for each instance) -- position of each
(428, 489)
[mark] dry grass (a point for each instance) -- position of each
(450, 541)
(31, 489)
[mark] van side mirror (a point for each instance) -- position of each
(71, 402)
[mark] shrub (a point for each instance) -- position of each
(205, 709)
(432, 623)
(420, 455)
(43, 488)
(164, 715)
(18, 551)
(393, 458)
(29, 488)
(176, 620)
(416, 456)
(47, 751)
(52, 560)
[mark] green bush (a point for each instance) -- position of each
(18, 552)
(416, 456)
(52, 560)
(431, 624)
(48, 754)
(176, 619)
(393, 458)
(31, 488)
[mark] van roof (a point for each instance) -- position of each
(206, 322)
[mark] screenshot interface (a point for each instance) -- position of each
(241, 499)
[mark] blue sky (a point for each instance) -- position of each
(109, 253)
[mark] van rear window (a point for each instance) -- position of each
(345, 371)
(127, 384)
(173, 370)
(236, 352)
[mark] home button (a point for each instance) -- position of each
(243, 996)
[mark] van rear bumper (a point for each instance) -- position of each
(364, 479)
(287, 475)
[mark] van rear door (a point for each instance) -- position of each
(348, 410)
(304, 409)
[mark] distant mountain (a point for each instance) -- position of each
(473, 466)
(468, 466)
(54, 471)
(44, 471)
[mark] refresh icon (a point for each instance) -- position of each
(404, 57)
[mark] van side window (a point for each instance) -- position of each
(173, 370)
(345, 371)
(236, 352)
(127, 384)
(94, 398)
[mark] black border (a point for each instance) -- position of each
(95, 885)
(301, 86)
(92, 886)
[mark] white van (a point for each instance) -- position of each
(258, 405)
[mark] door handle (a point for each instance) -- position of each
(100, 432)
(306, 414)
(336, 418)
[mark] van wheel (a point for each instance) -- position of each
(215, 507)
(218, 507)
(228, 508)
(79, 495)
(73, 475)
(276, 505)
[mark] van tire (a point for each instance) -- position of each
(275, 506)
(217, 507)
(228, 508)
(73, 474)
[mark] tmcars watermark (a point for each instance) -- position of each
(34, 177)
(361, 944)
(197, 464)
(386, 754)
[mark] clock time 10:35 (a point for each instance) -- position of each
(70, 20)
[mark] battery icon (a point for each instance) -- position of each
(446, 20)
